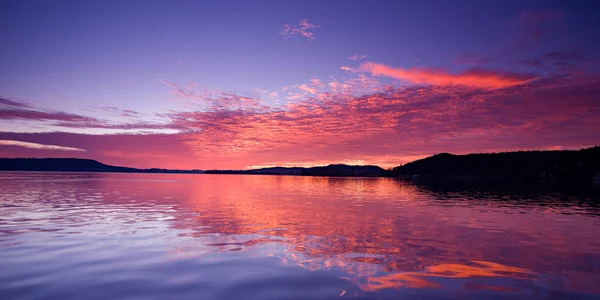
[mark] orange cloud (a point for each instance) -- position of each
(479, 78)
(423, 279)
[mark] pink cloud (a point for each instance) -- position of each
(387, 126)
(304, 29)
(413, 121)
(479, 78)
(210, 99)
(338, 87)
(307, 88)
(354, 118)
(347, 69)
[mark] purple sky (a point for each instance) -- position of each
(237, 84)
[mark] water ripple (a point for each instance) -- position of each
(151, 236)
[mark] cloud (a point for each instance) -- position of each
(307, 88)
(17, 111)
(357, 57)
(11, 103)
(37, 115)
(528, 31)
(564, 55)
(124, 126)
(475, 59)
(390, 124)
(37, 146)
(534, 26)
(536, 17)
(129, 113)
(479, 78)
(304, 29)
(354, 119)
(347, 69)
(531, 62)
(561, 61)
(113, 110)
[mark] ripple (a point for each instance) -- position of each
(154, 236)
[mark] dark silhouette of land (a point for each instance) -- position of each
(330, 170)
(559, 166)
(74, 165)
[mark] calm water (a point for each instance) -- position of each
(147, 236)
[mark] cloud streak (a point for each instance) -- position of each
(474, 77)
(357, 57)
(10, 103)
(18, 111)
(37, 146)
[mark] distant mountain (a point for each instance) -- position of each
(563, 165)
(330, 170)
(73, 165)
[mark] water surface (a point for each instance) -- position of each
(154, 236)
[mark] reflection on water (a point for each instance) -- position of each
(89, 235)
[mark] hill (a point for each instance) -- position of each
(73, 165)
(563, 165)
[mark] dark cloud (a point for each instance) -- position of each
(11, 103)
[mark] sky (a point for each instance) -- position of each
(247, 84)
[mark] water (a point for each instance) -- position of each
(153, 236)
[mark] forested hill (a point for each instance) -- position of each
(560, 164)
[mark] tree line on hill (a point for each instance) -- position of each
(558, 165)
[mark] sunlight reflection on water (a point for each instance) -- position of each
(92, 235)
